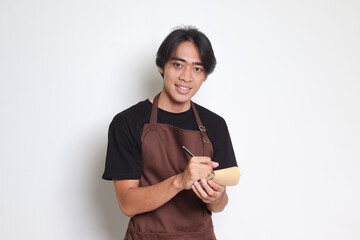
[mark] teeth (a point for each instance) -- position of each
(183, 88)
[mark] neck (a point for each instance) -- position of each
(170, 105)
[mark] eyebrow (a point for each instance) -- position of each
(183, 60)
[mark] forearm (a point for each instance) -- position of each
(138, 200)
(220, 205)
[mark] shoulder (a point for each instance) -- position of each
(219, 135)
(208, 116)
(138, 113)
(215, 125)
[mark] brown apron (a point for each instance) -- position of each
(185, 216)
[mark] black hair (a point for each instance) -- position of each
(182, 34)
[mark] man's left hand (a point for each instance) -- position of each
(211, 193)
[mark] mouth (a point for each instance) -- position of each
(183, 88)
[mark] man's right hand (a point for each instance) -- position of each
(197, 169)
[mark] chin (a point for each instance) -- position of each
(182, 98)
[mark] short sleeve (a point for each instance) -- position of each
(223, 149)
(123, 157)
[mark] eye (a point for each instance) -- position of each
(178, 65)
(197, 69)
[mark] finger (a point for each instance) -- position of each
(209, 190)
(202, 159)
(199, 171)
(216, 187)
(214, 164)
(195, 191)
(200, 190)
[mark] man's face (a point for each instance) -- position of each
(183, 76)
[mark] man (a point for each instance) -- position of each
(159, 184)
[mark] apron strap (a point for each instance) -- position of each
(154, 113)
(202, 128)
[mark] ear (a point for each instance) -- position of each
(205, 78)
(161, 70)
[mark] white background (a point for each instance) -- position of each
(287, 82)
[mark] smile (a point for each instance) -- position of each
(183, 88)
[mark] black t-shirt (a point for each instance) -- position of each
(123, 158)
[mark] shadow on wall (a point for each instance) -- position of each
(152, 81)
(112, 221)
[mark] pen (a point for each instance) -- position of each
(188, 151)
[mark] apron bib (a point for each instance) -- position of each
(185, 216)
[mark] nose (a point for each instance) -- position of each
(186, 74)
